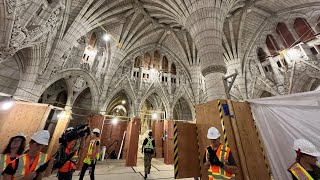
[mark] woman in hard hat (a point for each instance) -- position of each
(93, 154)
(218, 158)
(13, 150)
(32, 164)
(304, 167)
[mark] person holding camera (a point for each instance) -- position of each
(65, 172)
(218, 158)
(93, 154)
(32, 164)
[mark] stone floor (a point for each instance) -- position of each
(116, 170)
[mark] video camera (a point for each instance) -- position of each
(74, 133)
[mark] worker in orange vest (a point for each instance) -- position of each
(218, 158)
(65, 172)
(33, 164)
(12, 151)
(93, 154)
(306, 160)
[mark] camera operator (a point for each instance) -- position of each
(65, 172)
(93, 154)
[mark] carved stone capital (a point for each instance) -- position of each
(214, 69)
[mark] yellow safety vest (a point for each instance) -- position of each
(4, 161)
(216, 172)
(299, 172)
(90, 155)
(149, 144)
(24, 164)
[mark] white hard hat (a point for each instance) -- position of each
(70, 128)
(41, 137)
(96, 130)
(213, 133)
(20, 134)
(306, 147)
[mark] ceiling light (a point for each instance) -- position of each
(114, 120)
(123, 102)
(106, 37)
(154, 116)
(7, 105)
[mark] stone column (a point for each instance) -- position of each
(205, 25)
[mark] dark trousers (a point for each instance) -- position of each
(147, 162)
(65, 175)
(84, 169)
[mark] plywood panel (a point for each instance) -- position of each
(25, 117)
(113, 134)
(168, 142)
(131, 158)
(187, 152)
(254, 156)
(157, 132)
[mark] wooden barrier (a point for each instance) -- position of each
(157, 132)
(132, 140)
(186, 161)
(168, 142)
(24, 117)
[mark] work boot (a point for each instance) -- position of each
(145, 176)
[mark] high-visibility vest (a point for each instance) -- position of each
(91, 148)
(24, 164)
(299, 172)
(149, 144)
(4, 161)
(216, 172)
(68, 166)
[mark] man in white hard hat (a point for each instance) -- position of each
(218, 158)
(148, 146)
(93, 154)
(304, 167)
(32, 164)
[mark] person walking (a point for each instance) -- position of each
(148, 150)
(218, 158)
(33, 164)
(93, 154)
(304, 167)
(13, 150)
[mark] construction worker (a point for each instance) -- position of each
(65, 172)
(32, 164)
(218, 158)
(12, 151)
(93, 154)
(148, 150)
(304, 167)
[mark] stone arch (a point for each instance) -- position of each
(261, 55)
(82, 107)
(162, 96)
(56, 94)
(92, 84)
(285, 35)
(187, 103)
(303, 29)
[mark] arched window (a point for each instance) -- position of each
(173, 69)
(147, 61)
(93, 39)
(285, 35)
(272, 45)
(318, 24)
(303, 29)
(156, 62)
(261, 55)
(165, 64)
(137, 62)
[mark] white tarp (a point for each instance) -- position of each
(283, 119)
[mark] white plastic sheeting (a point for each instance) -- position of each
(283, 119)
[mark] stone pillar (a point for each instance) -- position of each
(205, 25)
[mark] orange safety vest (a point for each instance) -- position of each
(68, 166)
(299, 172)
(216, 172)
(24, 164)
(5, 161)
